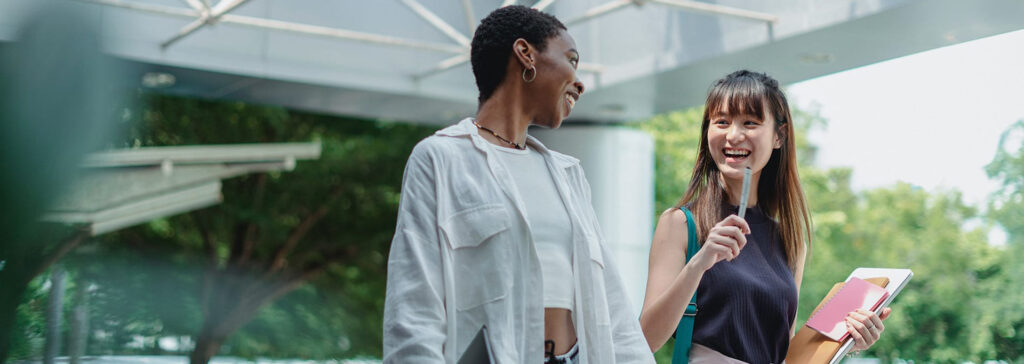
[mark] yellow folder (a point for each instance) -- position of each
(811, 347)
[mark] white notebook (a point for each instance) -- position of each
(898, 279)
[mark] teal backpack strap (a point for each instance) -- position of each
(684, 332)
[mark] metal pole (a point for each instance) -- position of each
(208, 17)
(184, 32)
(285, 26)
(338, 33)
(718, 10)
(470, 20)
(444, 65)
(599, 10)
(437, 22)
(157, 9)
(540, 5)
(195, 4)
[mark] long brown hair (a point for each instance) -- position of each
(778, 193)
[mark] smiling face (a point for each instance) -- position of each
(738, 140)
(556, 88)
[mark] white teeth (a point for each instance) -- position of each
(737, 153)
(571, 100)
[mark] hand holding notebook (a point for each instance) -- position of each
(855, 294)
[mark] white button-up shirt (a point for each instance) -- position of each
(462, 257)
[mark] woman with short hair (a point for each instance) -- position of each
(496, 230)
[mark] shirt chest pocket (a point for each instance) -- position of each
(481, 246)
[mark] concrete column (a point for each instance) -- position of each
(619, 163)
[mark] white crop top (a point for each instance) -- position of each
(549, 222)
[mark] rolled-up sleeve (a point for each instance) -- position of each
(628, 339)
(630, 343)
(414, 307)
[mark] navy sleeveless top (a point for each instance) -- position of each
(747, 306)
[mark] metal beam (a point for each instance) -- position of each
(470, 20)
(225, 6)
(718, 10)
(196, 4)
(437, 22)
(285, 26)
(542, 4)
(226, 153)
(205, 18)
(338, 33)
(156, 9)
(599, 10)
(442, 66)
(186, 31)
(143, 209)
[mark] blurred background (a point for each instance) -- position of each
(216, 181)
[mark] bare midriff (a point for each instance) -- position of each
(558, 327)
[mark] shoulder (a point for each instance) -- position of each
(673, 215)
(438, 147)
(565, 161)
(672, 222)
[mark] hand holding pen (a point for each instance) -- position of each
(727, 238)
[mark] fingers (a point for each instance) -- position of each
(876, 321)
(730, 232)
(726, 239)
(865, 325)
(734, 220)
(885, 313)
(727, 248)
(859, 342)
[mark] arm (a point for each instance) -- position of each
(414, 308)
(798, 277)
(671, 282)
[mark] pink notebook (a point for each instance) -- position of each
(830, 320)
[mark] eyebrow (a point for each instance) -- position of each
(741, 116)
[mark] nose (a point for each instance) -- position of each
(579, 86)
(735, 134)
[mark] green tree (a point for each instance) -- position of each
(289, 265)
(1007, 209)
(276, 232)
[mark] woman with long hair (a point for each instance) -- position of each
(496, 231)
(747, 271)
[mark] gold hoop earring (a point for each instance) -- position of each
(534, 77)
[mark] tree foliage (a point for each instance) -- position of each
(291, 264)
(148, 282)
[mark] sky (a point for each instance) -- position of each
(931, 119)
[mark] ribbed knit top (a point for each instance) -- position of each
(747, 306)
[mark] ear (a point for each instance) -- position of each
(780, 136)
(524, 52)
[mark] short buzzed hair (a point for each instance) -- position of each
(492, 42)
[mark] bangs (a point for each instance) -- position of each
(738, 96)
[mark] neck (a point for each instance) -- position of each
(504, 114)
(734, 188)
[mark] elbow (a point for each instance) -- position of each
(646, 327)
